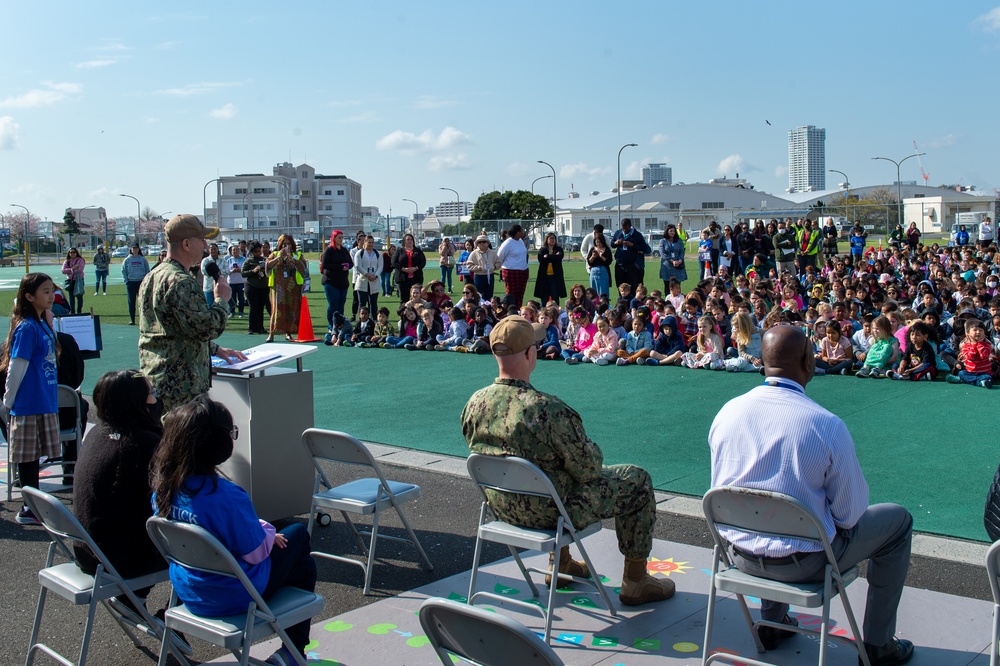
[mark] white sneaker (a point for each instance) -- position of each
(95, 293)
(601, 361)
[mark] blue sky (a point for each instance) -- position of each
(102, 98)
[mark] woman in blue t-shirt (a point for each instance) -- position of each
(197, 437)
(31, 393)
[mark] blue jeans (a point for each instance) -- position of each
(572, 353)
(600, 279)
(238, 300)
(970, 378)
(209, 296)
(446, 272)
(386, 284)
(484, 285)
(100, 281)
(336, 298)
(399, 343)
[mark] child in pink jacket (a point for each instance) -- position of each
(602, 349)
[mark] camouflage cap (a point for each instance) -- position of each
(182, 227)
(514, 334)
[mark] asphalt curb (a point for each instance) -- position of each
(926, 545)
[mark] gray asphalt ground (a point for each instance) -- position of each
(444, 518)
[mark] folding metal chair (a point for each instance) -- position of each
(67, 398)
(993, 570)
(773, 514)
(370, 496)
(518, 476)
(195, 548)
(481, 637)
(69, 582)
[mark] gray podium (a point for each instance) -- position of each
(271, 405)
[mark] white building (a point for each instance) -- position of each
(937, 214)
(655, 174)
(806, 159)
(454, 209)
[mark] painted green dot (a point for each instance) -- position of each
(418, 641)
(312, 645)
(337, 625)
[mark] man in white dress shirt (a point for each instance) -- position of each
(776, 438)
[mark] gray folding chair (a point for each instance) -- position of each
(364, 497)
(67, 397)
(195, 548)
(773, 514)
(69, 582)
(993, 570)
(481, 637)
(510, 474)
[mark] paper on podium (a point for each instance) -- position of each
(261, 357)
(83, 328)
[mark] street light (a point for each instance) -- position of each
(619, 188)
(79, 213)
(847, 186)
(458, 207)
(899, 196)
(553, 192)
(27, 218)
(138, 214)
(416, 211)
(536, 180)
(204, 202)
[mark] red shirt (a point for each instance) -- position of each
(976, 356)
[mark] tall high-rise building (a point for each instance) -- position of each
(806, 159)
(657, 173)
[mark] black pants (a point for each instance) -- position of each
(132, 287)
(259, 298)
(629, 274)
(293, 566)
(368, 300)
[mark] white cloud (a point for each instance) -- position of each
(363, 117)
(456, 162)
(52, 93)
(731, 164)
(410, 143)
(101, 193)
(10, 133)
(990, 21)
(114, 45)
(197, 88)
(945, 141)
(780, 171)
(227, 112)
(96, 63)
(432, 102)
(521, 169)
(581, 169)
(659, 138)
(27, 189)
(634, 168)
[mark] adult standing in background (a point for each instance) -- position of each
(335, 264)
(209, 273)
(629, 246)
(285, 270)
(775, 438)
(257, 291)
(784, 247)
(913, 237)
(587, 244)
(387, 255)
(808, 245)
(367, 265)
(102, 262)
(461, 269)
(447, 261)
(550, 283)
(745, 246)
(134, 269)
(714, 235)
(234, 269)
(73, 269)
(599, 261)
(830, 236)
(986, 232)
(483, 263)
(176, 326)
(513, 254)
(356, 246)
(408, 266)
(672, 266)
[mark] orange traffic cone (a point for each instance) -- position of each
(305, 324)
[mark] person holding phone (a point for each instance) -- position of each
(335, 265)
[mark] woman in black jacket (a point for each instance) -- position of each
(335, 264)
(408, 266)
(549, 283)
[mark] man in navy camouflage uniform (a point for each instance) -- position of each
(512, 418)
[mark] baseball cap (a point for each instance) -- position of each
(182, 227)
(514, 334)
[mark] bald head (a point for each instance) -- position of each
(787, 352)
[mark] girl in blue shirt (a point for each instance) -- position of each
(187, 487)
(30, 395)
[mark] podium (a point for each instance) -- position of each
(271, 405)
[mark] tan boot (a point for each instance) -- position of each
(567, 565)
(638, 587)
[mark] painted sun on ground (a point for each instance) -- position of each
(665, 567)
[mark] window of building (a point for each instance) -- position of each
(674, 206)
(340, 193)
(605, 222)
(652, 223)
(587, 224)
(306, 193)
(327, 192)
(239, 206)
(263, 190)
(328, 207)
(712, 204)
(264, 206)
(241, 190)
(305, 174)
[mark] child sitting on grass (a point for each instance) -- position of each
(585, 332)
(883, 351)
(550, 348)
(428, 331)
(602, 350)
(638, 344)
(709, 347)
(478, 341)
(406, 333)
(343, 330)
(747, 338)
(919, 362)
(382, 329)
(835, 355)
(974, 355)
(457, 330)
(668, 348)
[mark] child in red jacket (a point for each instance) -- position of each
(975, 355)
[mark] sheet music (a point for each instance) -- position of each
(82, 330)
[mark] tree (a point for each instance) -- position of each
(529, 209)
(492, 206)
(70, 226)
(15, 223)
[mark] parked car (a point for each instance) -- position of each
(120, 252)
(570, 243)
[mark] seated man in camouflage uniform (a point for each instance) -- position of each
(176, 325)
(511, 418)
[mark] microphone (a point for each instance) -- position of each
(212, 269)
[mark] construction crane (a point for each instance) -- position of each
(923, 174)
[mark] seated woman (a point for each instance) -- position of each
(111, 493)
(187, 487)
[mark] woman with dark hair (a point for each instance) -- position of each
(197, 437)
(286, 271)
(513, 255)
(549, 283)
(134, 269)
(408, 266)
(672, 265)
(256, 287)
(111, 491)
(599, 260)
(73, 269)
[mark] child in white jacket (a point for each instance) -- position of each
(456, 333)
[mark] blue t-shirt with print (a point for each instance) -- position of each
(228, 514)
(35, 342)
